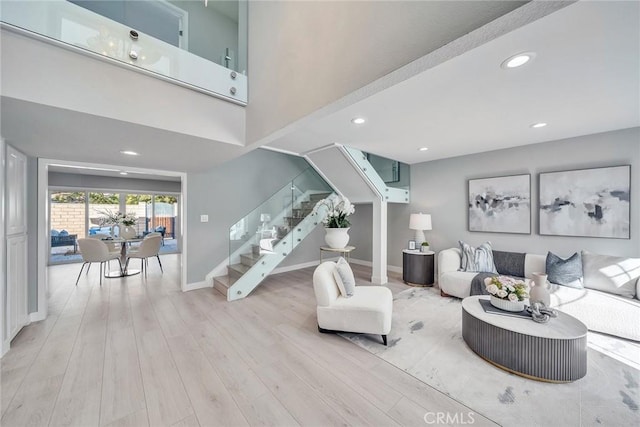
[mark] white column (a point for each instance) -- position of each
(379, 243)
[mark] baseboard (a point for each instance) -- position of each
(392, 268)
(36, 316)
(5, 345)
(198, 285)
(361, 262)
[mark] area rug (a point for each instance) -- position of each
(426, 342)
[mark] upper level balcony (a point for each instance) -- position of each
(199, 44)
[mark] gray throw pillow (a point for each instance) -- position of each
(612, 274)
(509, 263)
(565, 272)
(478, 260)
(345, 277)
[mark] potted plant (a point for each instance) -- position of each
(424, 247)
(506, 292)
(335, 221)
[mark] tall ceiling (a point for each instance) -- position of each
(584, 79)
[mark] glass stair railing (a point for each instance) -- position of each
(260, 240)
(390, 178)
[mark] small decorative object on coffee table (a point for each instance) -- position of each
(506, 292)
(424, 247)
(539, 291)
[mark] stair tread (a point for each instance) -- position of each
(240, 268)
(251, 256)
(223, 280)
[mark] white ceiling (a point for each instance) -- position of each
(584, 79)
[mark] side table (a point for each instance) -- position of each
(343, 251)
(417, 268)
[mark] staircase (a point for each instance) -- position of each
(268, 234)
(253, 255)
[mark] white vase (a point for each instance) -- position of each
(336, 238)
(539, 291)
(424, 248)
(127, 232)
(506, 305)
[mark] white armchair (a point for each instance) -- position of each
(368, 311)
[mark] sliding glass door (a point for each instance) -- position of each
(76, 214)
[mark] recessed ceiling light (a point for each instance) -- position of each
(518, 60)
(423, 149)
(129, 153)
(358, 121)
(123, 173)
(538, 125)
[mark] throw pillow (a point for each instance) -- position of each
(509, 263)
(566, 272)
(479, 260)
(345, 278)
(612, 274)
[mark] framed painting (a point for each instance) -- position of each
(586, 202)
(501, 204)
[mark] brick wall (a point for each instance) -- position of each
(70, 217)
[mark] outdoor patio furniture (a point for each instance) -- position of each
(62, 238)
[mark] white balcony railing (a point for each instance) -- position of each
(76, 28)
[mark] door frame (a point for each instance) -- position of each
(43, 222)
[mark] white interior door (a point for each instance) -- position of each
(17, 315)
(16, 242)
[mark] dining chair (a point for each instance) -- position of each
(114, 247)
(95, 250)
(149, 247)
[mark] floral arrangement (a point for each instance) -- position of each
(505, 287)
(117, 218)
(338, 209)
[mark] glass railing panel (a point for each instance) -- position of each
(257, 233)
(274, 227)
(309, 189)
(392, 172)
(202, 68)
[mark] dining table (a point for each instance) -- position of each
(125, 245)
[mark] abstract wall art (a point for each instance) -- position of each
(586, 202)
(501, 204)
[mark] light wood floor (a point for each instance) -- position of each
(134, 353)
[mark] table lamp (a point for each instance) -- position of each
(420, 222)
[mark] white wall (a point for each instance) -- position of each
(62, 179)
(76, 82)
(440, 188)
(305, 55)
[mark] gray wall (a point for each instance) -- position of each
(440, 188)
(96, 182)
(227, 193)
(210, 32)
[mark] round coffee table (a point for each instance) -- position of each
(554, 351)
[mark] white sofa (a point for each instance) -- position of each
(600, 311)
(368, 311)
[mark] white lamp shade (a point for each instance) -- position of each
(420, 221)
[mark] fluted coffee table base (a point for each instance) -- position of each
(554, 352)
